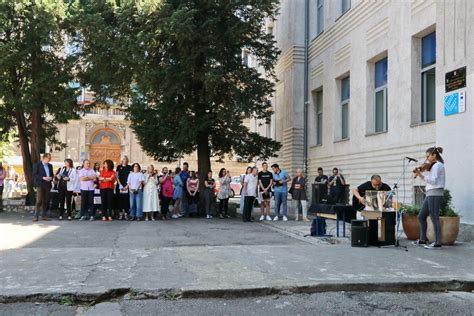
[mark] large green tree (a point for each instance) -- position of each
(36, 73)
(178, 65)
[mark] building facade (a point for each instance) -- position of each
(104, 133)
(377, 90)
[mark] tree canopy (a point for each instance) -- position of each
(179, 65)
(35, 75)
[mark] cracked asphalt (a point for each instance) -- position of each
(45, 262)
(333, 303)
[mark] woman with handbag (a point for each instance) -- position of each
(166, 191)
(66, 183)
(298, 192)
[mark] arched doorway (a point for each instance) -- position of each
(105, 144)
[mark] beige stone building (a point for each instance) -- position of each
(376, 89)
(104, 133)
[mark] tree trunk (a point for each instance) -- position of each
(204, 162)
(25, 150)
(36, 133)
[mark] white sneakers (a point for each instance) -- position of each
(262, 218)
(285, 219)
(268, 218)
(275, 219)
(208, 216)
(175, 216)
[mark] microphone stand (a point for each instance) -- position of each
(393, 192)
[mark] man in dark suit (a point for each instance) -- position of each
(43, 176)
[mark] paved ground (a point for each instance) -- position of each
(453, 303)
(96, 261)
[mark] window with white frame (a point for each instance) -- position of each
(318, 103)
(345, 6)
(320, 16)
(381, 96)
(345, 97)
(428, 82)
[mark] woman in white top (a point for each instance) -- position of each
(435, 180)
(135, 184)
(150, 194)
(66, 178)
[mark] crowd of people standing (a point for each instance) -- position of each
(127, 192)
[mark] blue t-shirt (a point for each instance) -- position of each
(282, 175)
(184, 176)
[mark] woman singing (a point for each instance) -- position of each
(435, 179)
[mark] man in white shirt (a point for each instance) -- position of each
(250, 190)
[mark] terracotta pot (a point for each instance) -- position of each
(449, 230)
(411, 226)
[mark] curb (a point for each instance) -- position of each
(175, 294)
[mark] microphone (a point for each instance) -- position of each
(411, 159)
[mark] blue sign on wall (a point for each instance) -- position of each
(455, 102)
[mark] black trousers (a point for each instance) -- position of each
(224, 206)
(87, 203)
(123, 201)
(107, 200)
(165, 204)
(65, 196)
(248, 206)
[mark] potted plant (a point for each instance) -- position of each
(449, 220)
(411, 225)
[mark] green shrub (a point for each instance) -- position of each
(410, 209)
(446, 205)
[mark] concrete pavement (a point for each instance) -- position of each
(97, 261)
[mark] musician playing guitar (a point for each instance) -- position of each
(375, 184)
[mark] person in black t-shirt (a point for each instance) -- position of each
(123, 198)
(322, 182)
(265, 182)
(375, 184)
(336, 184)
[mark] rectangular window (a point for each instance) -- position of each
(320, 16)
(345, 97)
(428, 82)
(319, 117)
(381, 96)
(345, 6)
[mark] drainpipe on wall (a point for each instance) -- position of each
(306, 86)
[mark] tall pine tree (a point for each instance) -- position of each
(35, 76)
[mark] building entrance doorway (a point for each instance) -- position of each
(105, 144)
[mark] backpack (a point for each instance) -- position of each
(318, 227)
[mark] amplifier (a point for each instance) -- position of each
(359, 233)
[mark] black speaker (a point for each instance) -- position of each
(373, 232)
(390, 221)
(320, 192)
(359, 233)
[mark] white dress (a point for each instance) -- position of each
(151, 202)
